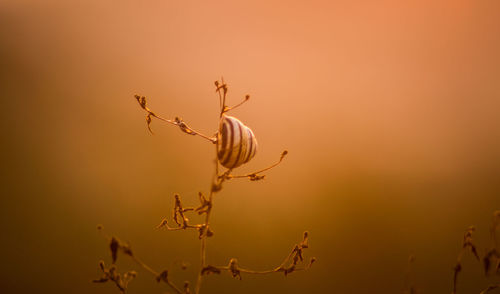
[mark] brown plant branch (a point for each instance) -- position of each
(409, 280)
(111, 274)
(288, 265)
(247, 97)
(177, 121)
(467, 244)
(490, 288)
(222, 96)
(116, 246)
(182, 221)
(207, 205)
(255, 175)
(492, 256)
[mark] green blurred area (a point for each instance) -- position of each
(389, 111)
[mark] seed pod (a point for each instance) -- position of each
(236, 143)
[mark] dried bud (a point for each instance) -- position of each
(186, 287)
(283, 154)
(101, 265)
(487, 264)
(304, 243)
(127, 249)
(210, 233)
(313, 260)
(163, 223)
(233, 268)
(216, 187)
(163, 276)
(128, 276)
(113, 246)
(100, 280)
(289, 270)
(204, 229)
(255, 177)
(474, 251)
(148, 121)
(209, 269)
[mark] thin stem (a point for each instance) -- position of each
(224, 87)
(265, 272)
(288, 265)
(168, 228)
(177, 121)
(141, 263)
(216, 186)
(247, 97)
(221, 100)
(186, 129)
(156, 274)
(222, 97)
(216, 182)
(489, 288)
(254, 174)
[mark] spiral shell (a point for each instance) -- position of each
(236, 143)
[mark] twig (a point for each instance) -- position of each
(255, 175)
(163, 276)
(288, 265)
(206, 204)
(215, 187)
(117, 245)
(489, 288)
(466, 244)
(111, 274)
(491, 259)
(409, 281)
(177, 121)
(247, 97)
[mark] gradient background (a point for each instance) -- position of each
(389, 109)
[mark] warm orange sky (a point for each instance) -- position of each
(389, 109)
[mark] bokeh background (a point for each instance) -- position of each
(389, 111)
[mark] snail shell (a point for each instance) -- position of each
(236, 143)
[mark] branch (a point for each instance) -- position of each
(222, 96)
(115, 246)
(489, 288)
(227, 108)
(255, 175)
(177, 121)
(111, 274)
(289, 264)
(183, 222)
(492, 256)
(179, 212)
(467, 244)
(409, 280)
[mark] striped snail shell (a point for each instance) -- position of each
(236, 143)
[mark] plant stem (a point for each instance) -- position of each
(203, 251)
(156, 274)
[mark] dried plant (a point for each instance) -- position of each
(491, 259)
(409, 281)
(293, 262)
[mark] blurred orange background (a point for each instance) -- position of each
(389, 111)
